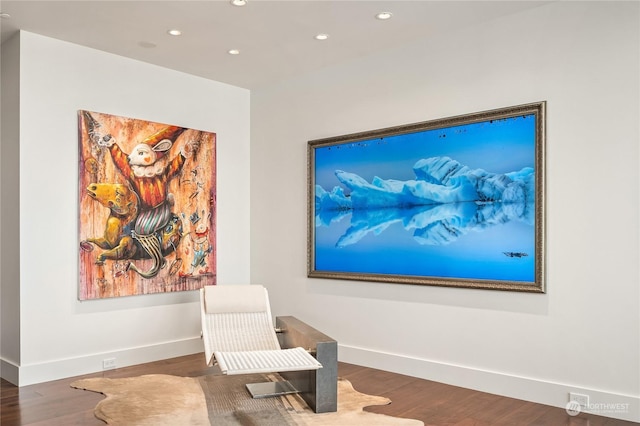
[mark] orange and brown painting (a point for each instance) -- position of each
(147, 207)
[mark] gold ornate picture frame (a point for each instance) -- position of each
(455, 202)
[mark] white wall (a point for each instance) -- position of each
(9, 216)
(59, 335)
(584, 333)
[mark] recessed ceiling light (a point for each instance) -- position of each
(384, 15)
(175, 32)
(239, 2)
(233, 52)
(4, 15)
(322, 36)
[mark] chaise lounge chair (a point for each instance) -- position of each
(239, 338)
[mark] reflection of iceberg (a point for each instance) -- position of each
(438, 224)
(445, 201)
(366, 221)
(458, 219)
(442, 224)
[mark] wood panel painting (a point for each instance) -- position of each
(147, 207)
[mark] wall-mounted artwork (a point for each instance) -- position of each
(453, 202)
(147, 207)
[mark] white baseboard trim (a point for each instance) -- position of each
(9, 371)
(601, 403)
(29, 374)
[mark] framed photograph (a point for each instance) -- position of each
(146, 207)
(455, 202)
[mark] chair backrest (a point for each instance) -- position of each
(236, 318)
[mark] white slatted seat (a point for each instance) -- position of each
(239, 335)
(294, 359)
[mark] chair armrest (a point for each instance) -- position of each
(319, 387)
(295, 333)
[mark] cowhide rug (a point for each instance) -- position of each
(164, 400)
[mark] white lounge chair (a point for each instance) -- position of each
(239, 338)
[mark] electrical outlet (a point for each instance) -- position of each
(581, 399)
(108, 364)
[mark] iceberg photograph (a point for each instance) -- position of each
(449, 205)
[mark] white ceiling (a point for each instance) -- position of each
(276, 38)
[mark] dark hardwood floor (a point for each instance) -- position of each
(57, 404)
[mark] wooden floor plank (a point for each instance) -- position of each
(436, 404)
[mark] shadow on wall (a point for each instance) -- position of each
(508, 301)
